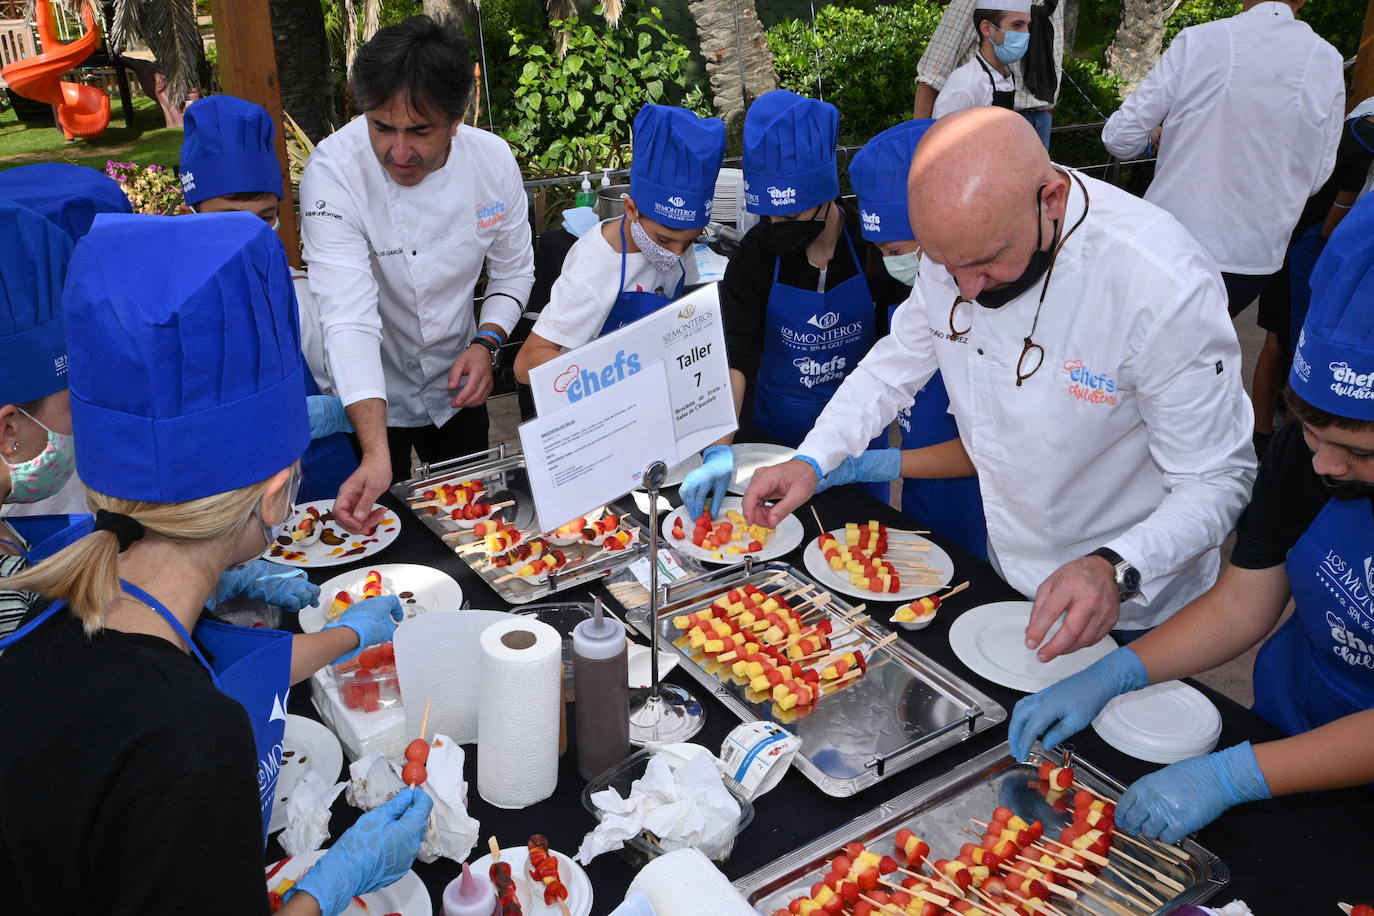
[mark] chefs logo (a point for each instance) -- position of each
(782, 197)
(491, 214)
(1348, 383)
(872, 222)
(188, 181)
(675, 208)
(829, 331)
(578, 383)
(814, 373)
(1086, 385)
(1351, 621)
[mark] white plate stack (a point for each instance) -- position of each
(728, 205)
(1164, 723)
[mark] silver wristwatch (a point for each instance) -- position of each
(1127, 576)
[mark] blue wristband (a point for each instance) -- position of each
(493, 335)
(815, 465)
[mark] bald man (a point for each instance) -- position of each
(1093, 372)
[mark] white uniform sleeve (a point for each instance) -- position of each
(962, 92)
(1127, 132)
(885, 381)
(1326, 97)
(1199, 421)
(340, 278)
(510, 259)
(575, 312)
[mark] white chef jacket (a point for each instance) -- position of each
(1135, 432)
(393, 269)
(588, 284)
(970, 86)
(1252, 108)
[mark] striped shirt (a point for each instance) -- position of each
(13, 605)
(955, 42)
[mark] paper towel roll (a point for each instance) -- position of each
(438, 662)
(517, 718)
(685, 883)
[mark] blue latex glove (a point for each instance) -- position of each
(373, 619)
(708, 482)
(270, 583)
(374, 853)
(1066, 708)
(327, 416)
(874, 465)
(1190, 794)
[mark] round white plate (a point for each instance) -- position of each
(1163, 723)
(574, 879)
(353, 547)
(936, 558)
(407, 897)
(784, 538)
(750, 456)
(991, 640)
(429, 589)
(307, 747)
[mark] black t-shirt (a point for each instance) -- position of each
(1285, 501)
(749, 279)
(1353, 159)
(128, 782)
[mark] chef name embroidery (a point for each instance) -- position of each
(1090, 386)
(1351, 626)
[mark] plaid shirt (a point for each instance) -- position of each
(955, 42)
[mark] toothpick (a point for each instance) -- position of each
(1053, 888)
(424, 723)
(917, 892)
(1042, 904)
(1094, 895)
(950, 593)
(495, 848)
(817, 516)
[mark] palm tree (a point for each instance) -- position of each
(738, 62)
(170, 30)
(303, 66)
(1139, 40)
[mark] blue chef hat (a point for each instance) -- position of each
(229, 149)
(1333, 367)
(33, 347)
(187, 376)
(878, 173)
(789, 153)
(69, 195)
(676, 159)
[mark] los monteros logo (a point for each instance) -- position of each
(676, 201)
(825, 322)
(578, 383)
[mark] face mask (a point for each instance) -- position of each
(1039, 263)
(659, 258)
(276, 224)
(45, 473)
(271, 532)
(791, 236)
(1347, 489)
(904, 268)
(1013, 46)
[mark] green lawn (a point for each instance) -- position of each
(148, 142)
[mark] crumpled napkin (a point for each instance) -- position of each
(684, 808)
(307, 814)
(580, 220)
(452, 832)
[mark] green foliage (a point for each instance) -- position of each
(1088, 95)
(1195, 12)
(1338, 21)
(573, 114)
(866, 62)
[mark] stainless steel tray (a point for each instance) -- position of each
(899, 713)
(502, 469)
(942, 812)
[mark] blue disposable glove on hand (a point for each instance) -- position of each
(1190, 794)
(373, 619)
(708, 481)
(375, 852)
(269, 583)
(327, 416)
(874, 465)
(1066, 708)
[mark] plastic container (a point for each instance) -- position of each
(470, 894)
(602, 694)
(644, 847)
(1162, 723)
(368, 683)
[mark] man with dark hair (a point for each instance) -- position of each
(1003, 28)
(402, 212)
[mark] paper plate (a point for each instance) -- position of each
(420, 588)
(1164, 723)
(574, 879)
(350, 547)
(939, 562)
(750, 456)
(991, 640)
(407, 897)
(637, 659)
(784, 539)
(307, 747)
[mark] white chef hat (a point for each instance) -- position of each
(1009, 6)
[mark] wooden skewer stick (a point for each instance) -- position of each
(1053, 888)
(1106, 901)
(930, 882)
(1076, 873)
(837, 654)
(940, 880)
(884, 907)
(917, 892)
(1153, 901)
(1159, 875)
(998, 906)
(951, 592)
(1088, 878)
(424, 723)
(817, 516)
(1345, 908)
(1154, 846)
(1042, 905)
(1085, 853)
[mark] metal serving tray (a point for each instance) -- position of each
(942, 812)
(503, 471)
(905, 709)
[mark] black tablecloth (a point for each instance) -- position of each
(1294, 855)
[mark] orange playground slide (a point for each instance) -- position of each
(82, 111)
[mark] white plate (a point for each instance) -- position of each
(750, 456)
(784, 538)
(307, 747)
(408, 897)
(637, 658)
(573, 877)
(1163, 723)
(939, 562)
(354, 547)
(430, 590)
(991, 640)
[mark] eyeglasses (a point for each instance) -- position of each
(954, 332)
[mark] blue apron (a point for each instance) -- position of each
(252, 666)
(630, 306)
(812, 340)
(327, 462)
(1319, 666)
(47, 534)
